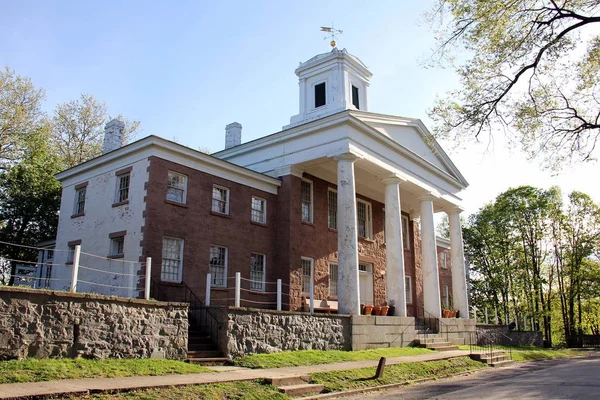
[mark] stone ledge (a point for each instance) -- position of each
(89, 296)
(267, 311)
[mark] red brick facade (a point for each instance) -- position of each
(284, 239)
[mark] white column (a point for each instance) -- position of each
(148, 278)
(394, 249)
(348, 289)
(431, 280)
(460, 293)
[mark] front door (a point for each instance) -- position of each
(365, 278)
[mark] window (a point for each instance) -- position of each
(307, 194)
(117, 246)
(444, 259)
(365, 267)
(71, 254)
(122, 188)
(405, 233)
(307, 273)
(332, 209)
(218, 266)
(355, 97)
(445, 297)
(363, 217)
(176, 187)
(257, 271)
(220, 199)
(320, 95)
(259, 210)
(333, 279)
(408, 289)
(80, 201)
(172, 259)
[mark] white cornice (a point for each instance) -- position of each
(172, 147)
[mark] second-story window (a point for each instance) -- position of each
(307, 195)
(444, 259)
(332, 209)
(363, 217)
(259, 210)
(176, 187)
(220, 199)
(79, 201)
(122, 188)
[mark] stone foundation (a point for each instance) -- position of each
(501, 335)
(43, 324)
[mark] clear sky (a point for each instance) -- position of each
(185, 69)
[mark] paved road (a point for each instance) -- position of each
(577, 378)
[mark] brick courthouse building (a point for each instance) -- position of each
(341, 197)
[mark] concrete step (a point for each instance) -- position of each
(305, 389)
(209, 360)
(289, 380)
(503, 363)
(487, 355)
(204, 354)
(491, 360)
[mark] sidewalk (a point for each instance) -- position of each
(85, 386)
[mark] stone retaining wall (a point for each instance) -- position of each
(247, 331)
(42, 324)
(501, 335)
(370, 332)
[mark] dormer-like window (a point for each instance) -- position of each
(355, 97)
(320, 95)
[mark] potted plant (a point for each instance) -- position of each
(392, 309)
(384, 310)
(368, 309)
(445, 311)
(377, 310)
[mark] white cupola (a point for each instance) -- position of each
(329, 83)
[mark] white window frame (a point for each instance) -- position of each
(114, 245)
(180, 267)
(408, 289)
(216, 202)
(76, 210)
(263, 211)
(119, 189)
(226, 267)
(446, 296)
(70, 254)
(331, 280)
(312, 274)
(444, 259)
(405, 235)
(314, 95)
(311, 216)
(183, 189)
(258, 284)
(331, 224)
(368, 221)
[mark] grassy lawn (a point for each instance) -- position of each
(314, 357)
(37, 370)
(529, 353)
(361, 378)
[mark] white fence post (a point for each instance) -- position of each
(148, 277)
(75, 271)
(238, 284)
(278, 294)
(208, 283)
(532, 324)
(312, 297)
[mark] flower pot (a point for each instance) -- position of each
(384, 310)
(368, 309)
(445, 313)
(453, 314)
(377, 310)
(392, 310)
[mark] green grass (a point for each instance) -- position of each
(252, 390)
(530, 353)
(37, 370)
(336, 381)
(314, 357)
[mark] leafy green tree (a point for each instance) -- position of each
(20, 115)
(533, 71)
(29, 201)
(78, 130)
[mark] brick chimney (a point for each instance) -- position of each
(113, 135)
(233, 135)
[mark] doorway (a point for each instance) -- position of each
(365, 279)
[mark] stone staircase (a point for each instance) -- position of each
(496, 358)
(201, 349)
(296, 386)
(435, 342)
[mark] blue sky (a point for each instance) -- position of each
(185, 69)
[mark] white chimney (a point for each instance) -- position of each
(113, 135)
(233, 135)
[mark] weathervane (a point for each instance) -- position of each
(332, 33)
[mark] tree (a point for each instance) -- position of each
(78, 129)
(29, 201)
(20, 115)
(534, 71)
